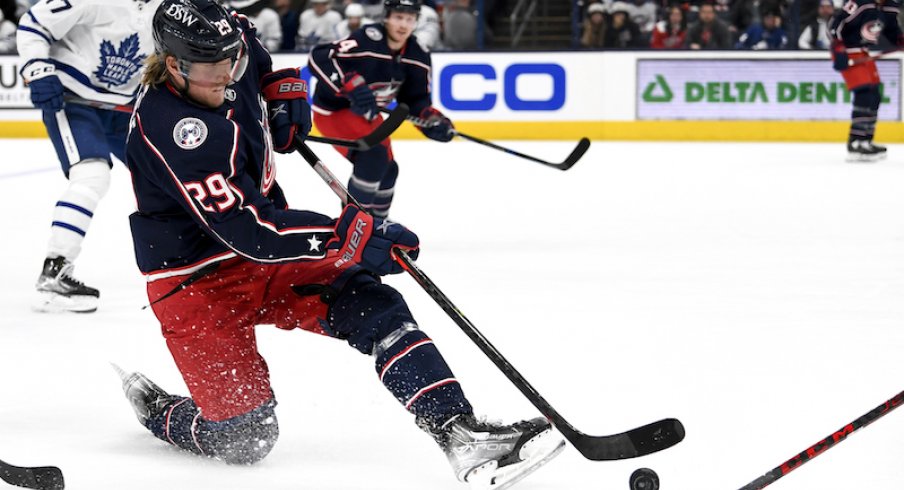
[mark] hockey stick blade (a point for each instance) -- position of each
(634, 443)
(392, 122)
(384, 130)
(576, 154)
(39, 478)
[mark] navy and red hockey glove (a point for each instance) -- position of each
(286, 94)
(368, 241)
(46, 88)
(840, 60)
(362, 98)
(436, 125)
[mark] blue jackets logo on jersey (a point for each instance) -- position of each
(871, 30)
(118, 66)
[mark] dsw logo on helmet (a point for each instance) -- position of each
(181, 14)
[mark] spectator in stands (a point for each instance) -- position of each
(8, 22)
(643, 14)
(264, 18)
(670, 33)
(354, 20)
(289, 12)
(594, 26)
(428, 32)
(816, 34)
(708, 32)
(317, 25)
(767, 35)
(743, 14)
(459, 25)
(622, 32)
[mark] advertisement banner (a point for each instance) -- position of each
(471, 86)
(13, 92)
(754, 89)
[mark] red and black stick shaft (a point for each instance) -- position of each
(824, 444)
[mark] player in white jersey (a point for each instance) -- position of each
(317, 25)
(92, 49)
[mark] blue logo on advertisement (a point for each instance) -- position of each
(509, 87)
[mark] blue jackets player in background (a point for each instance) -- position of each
(222, 252)
(355, 77)
(854, 30)
(93, 49)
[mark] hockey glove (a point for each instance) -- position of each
(363, 101)
(46, 89)
(436, 126)
(368, 241)
(290, 114)
(840, 60)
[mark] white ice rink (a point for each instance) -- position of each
(753, 291)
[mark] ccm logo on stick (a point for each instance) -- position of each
(513, 100)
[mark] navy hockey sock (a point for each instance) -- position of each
(244, 439)
(865, 113)
(374, 319)
(371, 168)
(414, 371)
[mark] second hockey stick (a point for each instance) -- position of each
(636, 442)
(823, 445)
(384, 130)
(575, 155)
(39, 477)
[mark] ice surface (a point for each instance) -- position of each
(751, 290)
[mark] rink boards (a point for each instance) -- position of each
(654, 95)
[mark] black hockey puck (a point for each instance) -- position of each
(644, 479)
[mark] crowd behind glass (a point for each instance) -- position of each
(451, 25)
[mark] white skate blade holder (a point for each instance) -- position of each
(49, 302)
(535, 453)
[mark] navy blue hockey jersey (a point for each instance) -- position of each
(404, 76)
(860, 23)
(205, 185)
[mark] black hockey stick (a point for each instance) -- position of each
(821, 446)
(387, 127)
(569, 162)
(641, 441)
(40, 477)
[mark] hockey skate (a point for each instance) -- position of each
(147, 399)
(865, 151)
(59, 292)
(495, 456)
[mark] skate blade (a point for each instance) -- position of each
(535, 453)
(47, 302)
(858, 158)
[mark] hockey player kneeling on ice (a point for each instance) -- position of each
(93, 49)
(223, 252)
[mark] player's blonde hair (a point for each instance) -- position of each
(155, 70)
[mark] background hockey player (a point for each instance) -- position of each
(93, 49)
(357, 76)
(222, 252)
(855, 29)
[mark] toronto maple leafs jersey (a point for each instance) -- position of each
(205, 182)
(860, 23)
(97, 46)
(404, 76)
